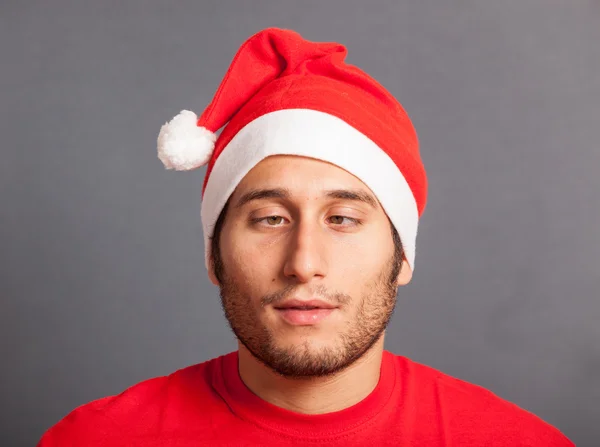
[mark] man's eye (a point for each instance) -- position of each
(272, 221)
(339, 220)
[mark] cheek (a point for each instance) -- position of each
(253, 255)
(360, 258)
(250, 267)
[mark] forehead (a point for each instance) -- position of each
(300, 175)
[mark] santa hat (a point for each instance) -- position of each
(283, 95)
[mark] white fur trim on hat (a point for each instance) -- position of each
(183, 145)
(318, 135)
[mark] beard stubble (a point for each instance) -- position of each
(374, 312)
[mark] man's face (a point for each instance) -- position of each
(308, 282)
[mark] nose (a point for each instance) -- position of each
(305, 257)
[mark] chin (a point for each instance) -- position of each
(310, 344)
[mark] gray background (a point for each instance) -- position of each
(102, 275)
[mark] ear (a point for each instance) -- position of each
(211, 272)
(405, 274)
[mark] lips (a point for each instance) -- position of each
(305, 305)
(304, 313)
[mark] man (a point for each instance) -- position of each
(310, 209)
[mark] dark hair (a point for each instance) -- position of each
(218, 262)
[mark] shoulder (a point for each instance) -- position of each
(474, 413)
(137, 409)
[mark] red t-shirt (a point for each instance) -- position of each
(208, 404)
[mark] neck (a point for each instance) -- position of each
(313, 395)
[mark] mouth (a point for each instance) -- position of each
(304, 313)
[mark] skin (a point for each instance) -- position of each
(303, 242)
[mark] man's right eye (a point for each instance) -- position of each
(271, 221)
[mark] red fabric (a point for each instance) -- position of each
(277, 69)
(208, 404)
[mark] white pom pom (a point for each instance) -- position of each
(183, 145)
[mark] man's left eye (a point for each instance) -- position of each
(339, 220)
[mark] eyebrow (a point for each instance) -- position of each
(284, 193)
(258, 194)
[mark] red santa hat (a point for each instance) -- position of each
(283, 94)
